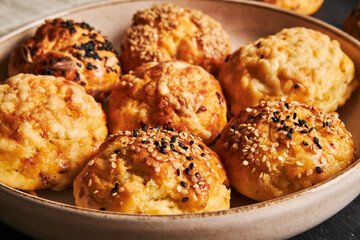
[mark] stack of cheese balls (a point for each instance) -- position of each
(132, 131)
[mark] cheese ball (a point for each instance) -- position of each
(153, 171)
(298, 63)
(165, 32)
(307, 7)
(277, 148)
(178, 94)
(49, 129)
(352, 22)
(75, 51)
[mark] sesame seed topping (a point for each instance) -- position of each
(184, 199)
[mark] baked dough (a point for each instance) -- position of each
(352, 22)
(307, 7)
(280, 147)
(64, 48)
(49, 128)
(153, 171)
(175, 93)
(165, 32)
(298, 63)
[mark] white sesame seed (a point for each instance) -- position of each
(89, 182)
(184, 191)
(91, 162)
(299, 163)
(309, 172)
(113, 165)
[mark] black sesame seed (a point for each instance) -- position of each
(135, 133)
(294, 116)
(116, 151)
(52, 61)
(202, 154)
(63, 73)
(172, 145)
(317, 142)
(191, 142)
(173, 139)
(258, 44)
(296, 86)
(145, 141)
(174, 150)
(286, 128)
(286, 105)
(116, 187)
(233, 127)
(48, 71)
(291, 130)
(289, 135)
(304, 131)
(201, 146)
(218, 136)
(102, 209)
(191, 166)
(288, 116)
(144, 128)
(184, 199)
(305, 143)
(312, 128)
(162, 150)
(83, 83)
(282, 122)
(279, 129)
(189, 158)
(183, 183)
(187, 171)
(262, 56)
(318, 169)
(178, 172)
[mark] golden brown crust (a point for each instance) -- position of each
(166, 32)
(49, 128)
(307, 7)
(175, 93)
(298, 63)
(352, 22)
(277, 148)
(71, 50)
(153, 171)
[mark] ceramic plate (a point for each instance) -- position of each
(52, 215)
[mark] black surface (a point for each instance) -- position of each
(345, 225)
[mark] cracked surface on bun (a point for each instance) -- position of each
(276, 148)
(178, 94)
(75, 51)
(153, 171)
(168, 32)
(49, 129)
(307, 7)
(298, 63)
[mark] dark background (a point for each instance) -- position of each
(345, 225)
